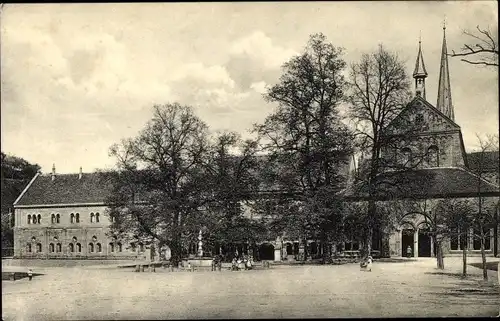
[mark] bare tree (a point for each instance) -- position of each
(379, 92)
(482, 48)
(484, 220)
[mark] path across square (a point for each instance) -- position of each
(391, 290)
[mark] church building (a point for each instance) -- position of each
(64, 216)
(440, 169)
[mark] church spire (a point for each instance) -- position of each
(444, 103)
(420, 73)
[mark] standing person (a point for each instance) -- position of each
(408, 251)
(30, 274)
(234, 267)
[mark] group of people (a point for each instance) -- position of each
(242, 263)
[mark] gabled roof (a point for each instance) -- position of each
(425, 183)
(490, 161)
(67, 189)
(427, 104)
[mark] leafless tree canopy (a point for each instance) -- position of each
(482, 48)
(379, 91)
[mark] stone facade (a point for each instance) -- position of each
(66, 238)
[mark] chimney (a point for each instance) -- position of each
(53, 171)
(81, 174)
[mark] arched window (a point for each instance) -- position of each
(407, 158)
(91, 217)
(51, 248)
(39, 218)
(91, 247)
(94, 238)
(433, 156)
(78, 247)
(38, 247)
(74, 239)
(119, 245)
(98, 247)
(97, 217)
(52, 219)
(71, 247)
(72, 218)
(28, 247)
(77, 217)
(58, 218)
(58, 248)
(111, 247)
(29, 219)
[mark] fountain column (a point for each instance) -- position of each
(200, 245)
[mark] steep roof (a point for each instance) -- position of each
(444, 102)
(490, 161)
(426, 183)
(419, 70)
(67, 189)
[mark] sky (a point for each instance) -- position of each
(77, 78)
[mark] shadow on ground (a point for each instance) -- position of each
(489, 265)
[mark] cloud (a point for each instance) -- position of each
(260, 47)
(259, 86)
(212, 75)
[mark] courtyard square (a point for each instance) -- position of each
(406, 289)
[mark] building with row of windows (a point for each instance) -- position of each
(65, 215)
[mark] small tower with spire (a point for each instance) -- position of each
(419, 74)
(444, 103)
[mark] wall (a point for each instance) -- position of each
(415, 221)
(65, 233)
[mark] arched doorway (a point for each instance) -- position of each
(424, 241)
(266, 251)
(407, 239)
(289, 249)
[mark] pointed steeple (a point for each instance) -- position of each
(420, 73)
(444, 103)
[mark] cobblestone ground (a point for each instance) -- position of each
(390, 290)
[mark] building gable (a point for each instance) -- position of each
(425, 116)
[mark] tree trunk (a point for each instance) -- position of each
(464, 259)
(483, 258)
(367, 246)
(439, 253)
(176, 250)
(326, 246)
